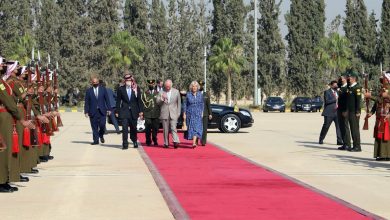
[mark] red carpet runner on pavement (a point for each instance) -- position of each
(210, 183)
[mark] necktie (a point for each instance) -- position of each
(128, 92)
(336, 96)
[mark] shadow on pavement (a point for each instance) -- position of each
(82, 142)
(359, 161)
(114, 146)
(319, 147)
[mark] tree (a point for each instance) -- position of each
(105, 23)
(22, 48)
(305, 23)
(124, 49)
(8, 27)
(228, 59)
(272, 50)
(334, 55)
(384, 41)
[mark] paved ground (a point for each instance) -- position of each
(104, 182)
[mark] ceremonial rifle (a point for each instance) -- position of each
(367, 100)
(45, 127)
(55, 79)
(33, 132)
(49, 100)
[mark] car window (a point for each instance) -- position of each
(303, 99)
(274, 100)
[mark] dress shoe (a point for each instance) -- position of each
(43, 159)
(155, 144)
(135, 144)
(11, 187)
(320, 142)
(125, 147)
(148, 143)
(175, 145)
(342, 148)
(50, 157)
(380, 159)
(24, 179)
(94, 143)
(102, 140)
(355, 149)
(165, 146)
(118, 132)
(34, 170)
(194, 146)
(5, 189)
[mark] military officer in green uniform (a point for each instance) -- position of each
(207, 113)
(354, 98)
(342, 107)
(151, 113)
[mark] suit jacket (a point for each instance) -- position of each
(172, 109)
(330, 101)
(94, 105)
(207, 107)
(111, 97)
(128, 108)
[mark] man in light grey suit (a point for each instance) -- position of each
(170, 102)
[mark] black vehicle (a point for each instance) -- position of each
(224, 118)
(274, 104)
(316, 104)
(301, 104)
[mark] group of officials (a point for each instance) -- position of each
(28, 118)
(342, 105)
(157, 104)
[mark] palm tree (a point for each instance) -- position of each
(124, 50)
(22, 49)
(334, 54)
(228, 59)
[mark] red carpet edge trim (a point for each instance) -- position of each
(336, 199)
(173, 204)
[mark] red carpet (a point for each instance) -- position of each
(210, 183)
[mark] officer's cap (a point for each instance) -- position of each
(151, 81)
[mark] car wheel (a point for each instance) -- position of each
(140, 125)
(230, 123)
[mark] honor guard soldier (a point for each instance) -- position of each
(354, 98)
(381, 109)
(9, 113)
(207, 113)
(151, 113)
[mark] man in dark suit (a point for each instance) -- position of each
(207, 113)
(129, 108)
(96, 107)
(330, 113)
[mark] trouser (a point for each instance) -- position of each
(98, 125)
(114, 121)
(325, 127)
(205, 125)
(126, 123)
(355, 129)
(344, 129)
(170, 125)
(151, 129)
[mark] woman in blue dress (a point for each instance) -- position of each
(193, 113)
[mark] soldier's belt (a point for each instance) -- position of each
(3, 109)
